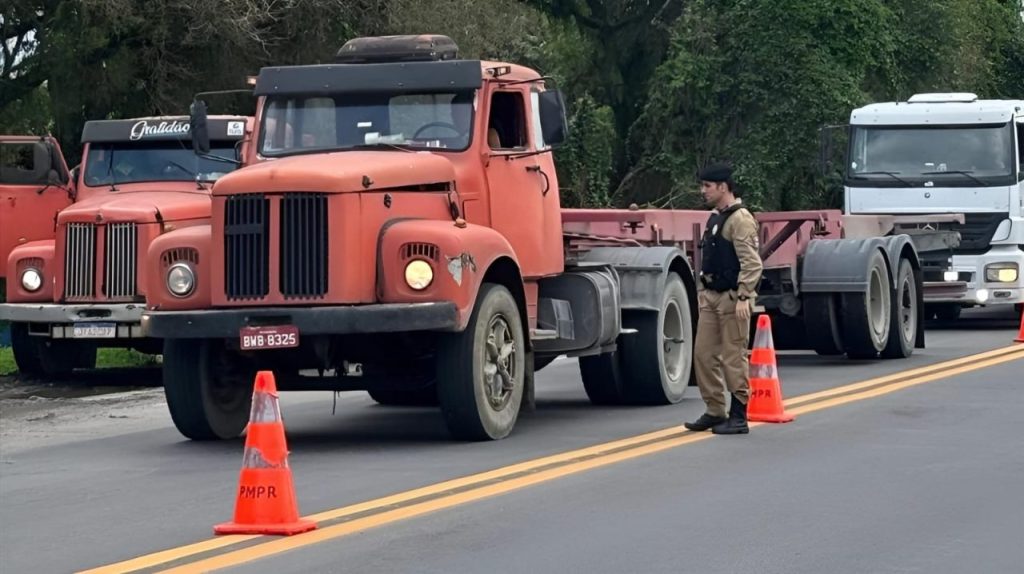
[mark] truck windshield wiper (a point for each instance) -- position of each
(957, 171)
(891, 174)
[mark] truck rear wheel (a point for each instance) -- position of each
(821, 319)
(903, 318)
(602, 377)
(866, 315)
(481, 371)
(209, 392)
(659, 356)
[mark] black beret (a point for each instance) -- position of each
(717, 172)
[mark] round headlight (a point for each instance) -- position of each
(418, 274)
(180, 280)
(31, 280)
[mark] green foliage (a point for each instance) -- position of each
(585, 162)
(658, 88)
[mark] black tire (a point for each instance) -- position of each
(865, 316)
(658, 359)
(208, 392)
(423, 397)
(26, 351)
(903, 316)
(822, 320)
(474, 407)
(602, 377)
(40, 357)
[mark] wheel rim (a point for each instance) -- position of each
(908, 309)
(877, 304)
(499, 363)
(673, 341)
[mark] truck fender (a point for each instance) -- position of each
(840, 265)
(41, 254)
(191, 245)
(460, 257)
(642, 274)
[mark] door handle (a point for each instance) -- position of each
(547, 180)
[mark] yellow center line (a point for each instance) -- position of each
(597, 455)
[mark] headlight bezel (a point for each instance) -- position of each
(181, 266)
(39, 276)
(419, 274)
(994, 272)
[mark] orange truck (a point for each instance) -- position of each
(35, 184)
(404, 236)
(73, 286)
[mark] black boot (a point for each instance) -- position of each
(737, 423)
(704, 423)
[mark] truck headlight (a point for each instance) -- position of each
(1001, 272)
(181, 280)
(31, 280)
(418, 274)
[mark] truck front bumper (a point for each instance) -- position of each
(335, 320)
(58, 320)
(970, 271)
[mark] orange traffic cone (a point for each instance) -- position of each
(765, 403)
(265, 503)
(1020, 335)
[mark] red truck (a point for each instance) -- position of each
(34, 185)
(407, 240)
(80, 290)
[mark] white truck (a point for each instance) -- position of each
(955, 154)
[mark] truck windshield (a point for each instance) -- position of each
(949, 156)
(133, 162)
(306, 124)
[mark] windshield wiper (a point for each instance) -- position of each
(891, 174)
(957, 171)
(383, 144)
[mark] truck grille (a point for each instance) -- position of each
(304, 245)
(120, 260)
(247, 246)
(976, 231)
(79, 261)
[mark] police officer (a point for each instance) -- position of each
(730, 272)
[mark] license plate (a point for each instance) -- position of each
(271, 337)
(94, 331)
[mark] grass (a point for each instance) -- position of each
(104, 358)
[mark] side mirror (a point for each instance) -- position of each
(827, 147)
(75, 171)
(553, 123)
(198, 128)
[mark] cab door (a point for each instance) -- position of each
(34, 186)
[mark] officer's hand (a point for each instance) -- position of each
(743, 310)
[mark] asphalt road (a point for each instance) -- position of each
(919, 478)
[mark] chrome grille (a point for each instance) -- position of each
(79, 260)
(120, 260)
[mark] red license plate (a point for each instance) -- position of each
(271, 337)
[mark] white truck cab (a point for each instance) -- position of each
(949, 153)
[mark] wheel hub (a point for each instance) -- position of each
(499, 363)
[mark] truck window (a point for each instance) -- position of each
(1020, 150)
(506, 127)
(920, 153)
(132, 162)
(24, 163)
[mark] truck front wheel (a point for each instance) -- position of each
(208, 390)
(26, 351)
(44, 357)
(481, 371)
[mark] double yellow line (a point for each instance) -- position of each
(228, 551)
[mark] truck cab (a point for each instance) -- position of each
(948, 153)
(35, 184)
(139, 178)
